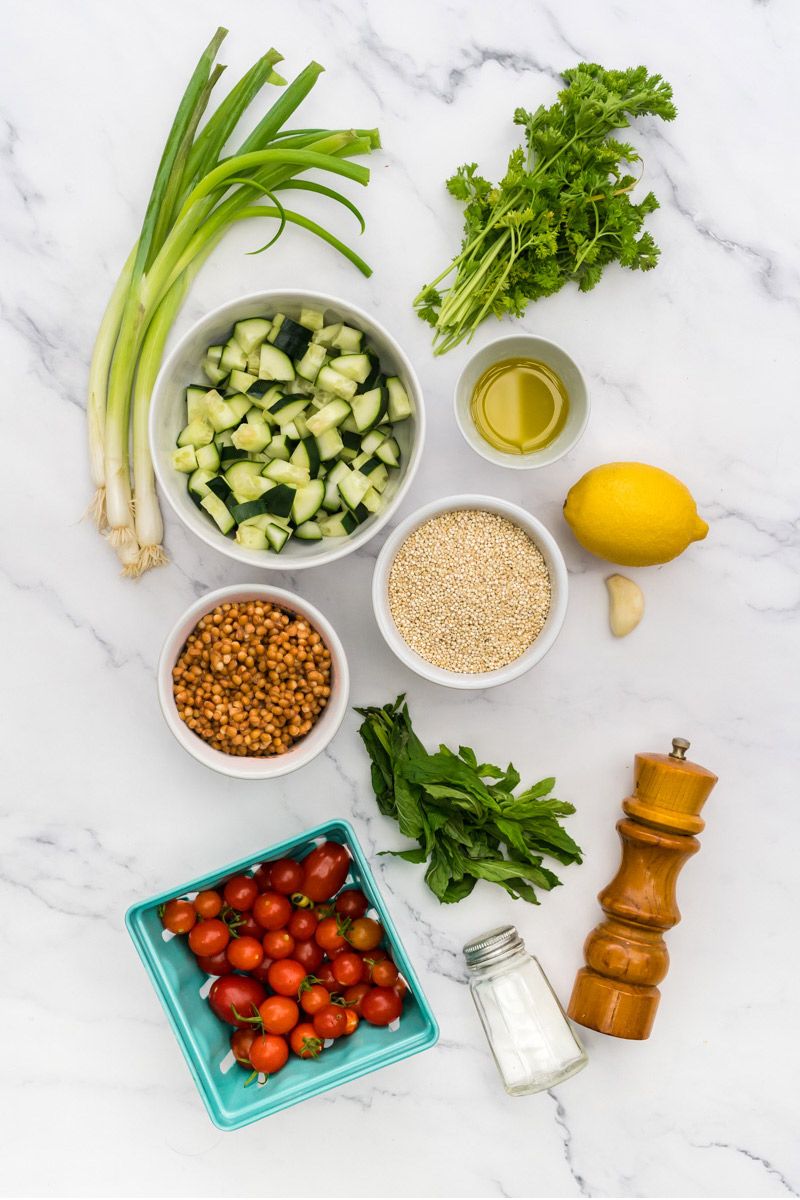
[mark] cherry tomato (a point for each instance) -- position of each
(352, 903)
(240, 892)
(271, 910)
(304, 1041)
(330, 934)
(279, 1014)
(278, 943)
(262, 876)
(355, 994)
(351, 1016)
(269, 1053)
(326, 977)
(209, 937)
(324, 871)
(400, 986)
(330, 1021)
(208, 904)
(371, 957)
(261, 972)
(384, 974)
(348, 968)
(309, 955)
(215, 964)
(364, 934)
(381, 1006)
(314, 998)
(239, 992)
(178, 916)
(286, 976)
(245, 925)
(303, 924)
(241, 1041)
(286, 876)
(244, 953)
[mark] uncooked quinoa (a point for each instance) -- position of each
(469, 591)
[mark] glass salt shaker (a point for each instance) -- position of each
(532, 1042)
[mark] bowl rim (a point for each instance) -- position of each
(210, 535)
(520, 462)
(559, 581)
(230, 764)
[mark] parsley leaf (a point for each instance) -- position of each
(563, 210)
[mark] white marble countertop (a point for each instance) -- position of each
(692, 367)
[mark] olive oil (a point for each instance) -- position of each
(519, 405)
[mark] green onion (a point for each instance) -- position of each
(197, 195)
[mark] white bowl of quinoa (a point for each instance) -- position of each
(470, 591)
(253, 681)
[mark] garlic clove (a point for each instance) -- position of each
(625, 604)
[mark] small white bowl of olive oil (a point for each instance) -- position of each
(522, 402)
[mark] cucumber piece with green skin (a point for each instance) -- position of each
(371, 441)
(251, 332)
(311, 318)
(274, 364)
(326, 335)
(286, 472)
(329, 444)
(291, 338)
(373, 501)
(348, 340)
(308, 501)
(332, 500)
(399, 403)
(389, 452)
(353, 366)
(284, 410)
(348, 425)
(185, 459)
(225, 414)
(219, 512)
(198, 484)
(252, 435)
(196, 433)
(246, 481)
(309, 531)
(229, 454)
(195, 402)
(278, 500)
(306, 455)
(219, 486)
(252, 538)
(233, 357)
(208, 457)
(241, 381)
(375, 376)
(329, 380)
(326, 418)
(278, 449)
(353, 487)
(214, 372)
(214, 353)
(299, 423)
(277, 536)
(308, 367)
(338, 524)
(369, 408)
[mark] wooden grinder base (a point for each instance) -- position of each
(626, 956)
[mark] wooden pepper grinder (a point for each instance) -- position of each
(626, 956)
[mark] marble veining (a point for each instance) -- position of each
(693, 367)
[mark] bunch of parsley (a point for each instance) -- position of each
(563, 210)
(463, 814)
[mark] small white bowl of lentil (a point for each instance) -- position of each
(470, 591)
(253, 681)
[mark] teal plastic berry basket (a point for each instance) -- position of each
(205, 1041)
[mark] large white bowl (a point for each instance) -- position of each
(524, 345)
(301, 752)
(558, 598)
(168, 416)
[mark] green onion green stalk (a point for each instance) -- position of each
(198, 194)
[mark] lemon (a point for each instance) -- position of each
(633, 514)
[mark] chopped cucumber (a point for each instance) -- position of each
(185, 459)
(274, 364)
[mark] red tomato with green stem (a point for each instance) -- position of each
(286, 976)
(355, 994)
(324, 871)
(240, 892)
(241, 1041)
(269, 1053)
(384, 973)
(314, 998)
(381, 1006)
(286, 876)
(351, 903)
(278, 943)
(241, 993)
(304, 1041)
(331, 934)
(178, 916)
(209, 937)
(243, 924)
(272, 911)
(279, 1014)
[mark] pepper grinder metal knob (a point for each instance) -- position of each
(626, 956)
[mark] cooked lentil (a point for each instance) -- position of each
(252, 678)
(469, 591)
